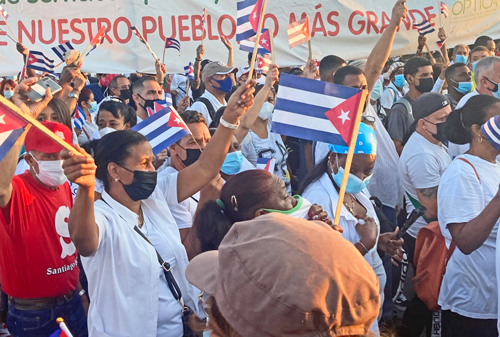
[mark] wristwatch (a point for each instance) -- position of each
(229, 125)
(74, 94)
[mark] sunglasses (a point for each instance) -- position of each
(495, 88)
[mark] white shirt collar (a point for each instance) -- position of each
(125, 213)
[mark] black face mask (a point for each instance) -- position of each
(192, 155)
(148, 103)
(425, 85)
(142, 186)
(126, 93)
(440, 135)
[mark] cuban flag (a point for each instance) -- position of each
(138, 34)
(444, 9)
(4, 13)
(264, 43)
(172, 43)
(79, 118)
(189, 71)
(11, 128)
(263, 63)
(315, 110)
(163, 129)
(38, 61)
(160, 105)
(204, 17)
(424, 27)
(440, 43)
(98, 39)
(248, 18)
(62, 49)
(267, 164)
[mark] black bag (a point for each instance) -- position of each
(187, 312)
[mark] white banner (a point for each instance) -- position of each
(346, 28)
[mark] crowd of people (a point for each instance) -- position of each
(198, 241)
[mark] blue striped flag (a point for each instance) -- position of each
(444, 9)
(61, 49)
(4, 13)
(11, 128)
(267, 164)
(138, 34)
(172, 43)
(189, 71)
(315, 110)
(248, 17)
(79, 118)
(424, 27)
(264, 45)
(38, 61)
(163, 129)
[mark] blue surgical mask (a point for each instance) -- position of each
(399, 80)
(93, 107)
(232, 163)
(474, 66)
(377, 91)
(225, 85)
(8, 94)
(460, 59)
(463, 87)
(497, 93)
(354, 184)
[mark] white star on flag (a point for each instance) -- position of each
(264, 41)
(344, 116)
(254, 15)
(1, 119)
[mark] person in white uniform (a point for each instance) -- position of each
(469, 216)
(127, 284)
(358, 219)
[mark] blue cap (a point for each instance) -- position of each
(365, 144)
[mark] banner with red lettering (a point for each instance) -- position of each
(347, 28)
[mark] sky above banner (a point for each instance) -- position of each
(347, 28)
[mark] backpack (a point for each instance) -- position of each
(431, 259)
(407, 105)
(210, 107)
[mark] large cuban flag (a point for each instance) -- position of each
(315, 110)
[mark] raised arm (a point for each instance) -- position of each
(191, 179)
(9, 162)
(249, 118)
(382, 49)
(83, 230)
(195, 84)
(471, 235)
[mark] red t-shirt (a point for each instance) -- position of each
(37, 257)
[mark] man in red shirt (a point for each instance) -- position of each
(38, 267)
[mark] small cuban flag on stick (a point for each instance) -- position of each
(5, 16)
(189, 71)
(171, 43)
(143, 40)
(424, 27)
(96, 41)
(163, 129)
(38, 61)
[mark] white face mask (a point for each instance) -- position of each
(50, 172)
(266, 111)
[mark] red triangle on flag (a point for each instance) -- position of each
(254, 16)
(175, 121)
(10, 121)
(343, 116)
(305, 29)
(265, 40)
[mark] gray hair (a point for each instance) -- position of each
(484, 66)
(460, 45)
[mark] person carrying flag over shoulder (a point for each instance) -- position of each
(38, 265)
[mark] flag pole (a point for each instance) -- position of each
(428, 50)
(350, 155)
(17, 41)
(12, 107)
(439, 13)
(1, 30)
(273, 60)
(203, 31)
(257, 41)
(310, 49)
(163, 58)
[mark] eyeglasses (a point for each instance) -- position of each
(495, 88)
(204, 306)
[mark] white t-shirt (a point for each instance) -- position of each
(254, 147)
(387, 99)
(456, 149)
(421, 165)
(179, 83)
(469, 286)
(202, 108)
(323, 193)
(184, 211)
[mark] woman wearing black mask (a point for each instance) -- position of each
(123, 267)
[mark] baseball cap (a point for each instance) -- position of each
(427, 104)
(242, 71)
(217, 68)
(36, 140)
(393, 68)
(281, 276)
(366, 143)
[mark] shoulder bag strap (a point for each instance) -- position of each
(172, 284)
(468, 162)
(210, 107)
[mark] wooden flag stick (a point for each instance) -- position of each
(273, 59)
(203, 28)
(439, 11)
(152, 52)
(14, 35)
(310, 49)
(256, 47)
(350, 154)
(1, 30)
(163, 58)
(428, 50)
(11, 106)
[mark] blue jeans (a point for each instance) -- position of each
(42, 323)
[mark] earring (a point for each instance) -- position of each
(480, 139)
(116, 179)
